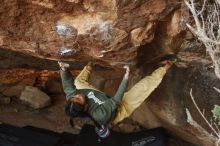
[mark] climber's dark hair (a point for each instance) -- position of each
(73, 109)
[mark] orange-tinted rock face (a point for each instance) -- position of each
(109, 32)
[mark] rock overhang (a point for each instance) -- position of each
(108, 32)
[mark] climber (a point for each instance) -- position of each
(84, 100)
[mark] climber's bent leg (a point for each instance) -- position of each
(81, 81)
(138, 93)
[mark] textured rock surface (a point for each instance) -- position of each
(35, 98)
(14, 81)
(168, 103)
(165, 107)
(109, 32)
(4, 100)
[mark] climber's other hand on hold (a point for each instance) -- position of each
(127, 68)
(63, 66)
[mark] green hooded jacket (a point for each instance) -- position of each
(102, 108)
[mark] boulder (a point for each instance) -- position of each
(112, 34)
(35, 98)
(169, 103)
(109, 32)
(14, 90)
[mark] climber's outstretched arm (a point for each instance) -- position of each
(124, 83)
(67, 80)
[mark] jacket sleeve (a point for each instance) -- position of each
(68, 84)
(120, 92)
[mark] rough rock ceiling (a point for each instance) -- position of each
(109, 32)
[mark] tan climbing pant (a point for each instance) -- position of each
(133, 98)
(81, 81)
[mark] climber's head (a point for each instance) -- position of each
(79, 98)
(76, 106)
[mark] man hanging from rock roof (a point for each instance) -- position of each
(84, 100)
